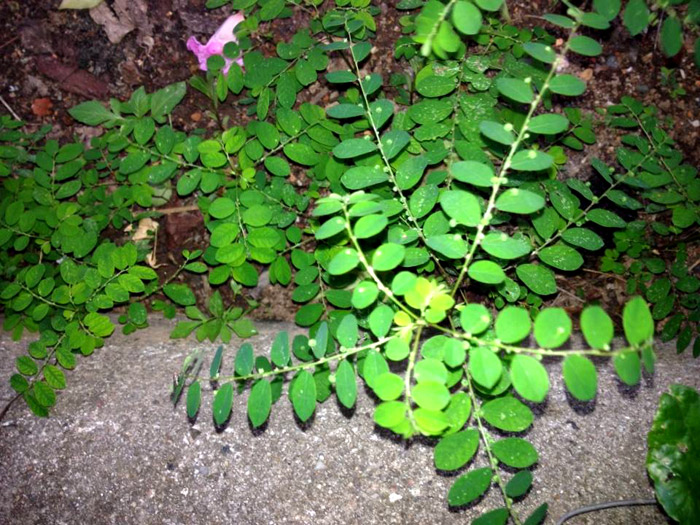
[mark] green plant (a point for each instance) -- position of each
(414, 209)
(665, 14)
(671, 290)
(669, 80)
(58, 269)
(673, 458)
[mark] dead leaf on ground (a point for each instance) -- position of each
(146, 228)
(586, 75)
(41, 107)
(71, 78)
(35, 37)
(122, 17)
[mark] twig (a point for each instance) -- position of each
(7, 106)
(177, 209)
(567, 292)
(3, 46)
(8, 405)
(612, 275)
(692, 266)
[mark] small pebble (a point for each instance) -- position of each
(393, 497)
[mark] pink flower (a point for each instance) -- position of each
(215, 45)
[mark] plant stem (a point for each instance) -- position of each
(409, 376)
(594, 202)
(301, 366)
(652, 143)
(486, 440)
(388, 167)
(521, 137)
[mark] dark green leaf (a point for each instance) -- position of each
(351, 148)
(628, 367)
(636, 16)
(568, 85)
(538, 278)
(223, 400)
(216, 363)
(515, 89)
(529, 378)
(466, 18)
(586, 46)
(583, 238)
(673, 457)
(454, 451)
(92, 113)
(519, 484)
(562, 257)
(180, 294)
(243, 363)
(580, 377)
(469, 487)
(671, 36)
(279, 354)
(512, 324)
(303, 395)
(461, 206)
(531, 160)
(194, 397)
(501, 133)
(519, 201)
(508, 414)
(549, 124)
(541, 52)
(345, 384)
(637, 321)
(515, 452)
(259, 402)
(487, 272)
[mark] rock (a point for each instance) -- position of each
(612, 62)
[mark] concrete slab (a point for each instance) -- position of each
(114, 451)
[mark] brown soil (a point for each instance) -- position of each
(52, 60)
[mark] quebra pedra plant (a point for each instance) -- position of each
(435, 201)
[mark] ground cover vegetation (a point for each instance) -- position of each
(421, 221)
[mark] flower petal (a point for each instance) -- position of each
(215, 45)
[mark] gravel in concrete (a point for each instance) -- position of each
(115, 451)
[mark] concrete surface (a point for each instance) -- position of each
(114, 451)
